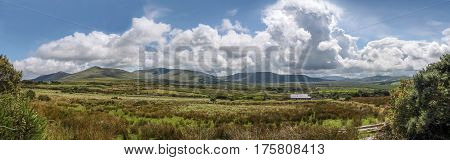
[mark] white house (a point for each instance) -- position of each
(300, 96)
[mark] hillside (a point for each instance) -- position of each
(373, 79)
(51, 77)
(188, 76)
(382, 79)
(268, 77)
(335, 78)
(100, 74)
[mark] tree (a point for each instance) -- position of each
(422, 105)
(9, 77)
(17, 120)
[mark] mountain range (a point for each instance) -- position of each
(372, 79)
(188, 76)
(51, 77)
(269, 77)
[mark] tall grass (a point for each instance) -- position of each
(82, 118)
(17, 120)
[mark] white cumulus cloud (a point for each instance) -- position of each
(301, 37)
(391, 54)
(227, 25)
(79, 51)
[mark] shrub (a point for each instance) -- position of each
(30, 94)
(44, 98)
(421, 105)
(221, 95)
(116, 98)
(76, 90)
(141, 103)
(9, 78)
(347, 98)
(213, 98)
(17, 121)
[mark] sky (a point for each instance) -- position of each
(340, 37)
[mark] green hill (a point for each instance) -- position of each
(100, 74)
(188, 76)
(51, 77)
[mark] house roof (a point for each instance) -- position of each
(300, 96)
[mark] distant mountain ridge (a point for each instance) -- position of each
(382, 78)
(98, 73)
(51, 77)
(188, 76)
(176, 75)
(269, 77)
(335, 78)
(371, 79)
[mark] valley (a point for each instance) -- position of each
(105, 104)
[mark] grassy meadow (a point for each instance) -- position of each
(128, 111)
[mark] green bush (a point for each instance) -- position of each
(141, 103)
(347, 98)
(222, 96)
(76, 90)
(17, 121)
(9, 77)
(421, 106)
(30, 94)
(213, 98)
(44, 98)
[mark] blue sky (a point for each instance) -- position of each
(25, 24)
(406, 19)
(22, 28)
(370, 37)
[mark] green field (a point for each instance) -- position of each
(127, 110)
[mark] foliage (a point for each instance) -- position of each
(377, 101)
(9, 77)
(44, 98)
(17, 121)
(213, 98)
(154, 110)
(422, 106)
(76, 90)
(178, 118)
(339, 93)
(30, 94)
(347, 98)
